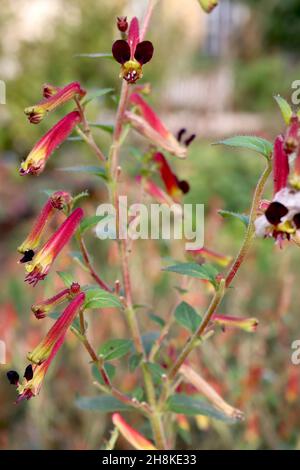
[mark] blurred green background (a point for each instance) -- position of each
(216, 76)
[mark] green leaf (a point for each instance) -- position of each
(109, 369)
(115, 349)
(204, 271)
(89, 222)
(134, 361)
(67, 278)
(229, 214)
(102, 403)
(285, 108)
(187, 405)
(92, 170)
(96, 94)
(158, 320)
(104, 127)
(258, 144)
(100, 298)
(187, 317)
(96, 55)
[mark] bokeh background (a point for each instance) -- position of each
(215, 75)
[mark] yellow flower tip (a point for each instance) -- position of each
(35, 114)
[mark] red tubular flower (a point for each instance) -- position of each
(247, 324)
(42, 352)
(150, 126)
(132, 54)
(211, 255)
(39, 268)
(136, 439)
(57, 201)
(54, 98)
(175, 187)
(122, 23)
(46, 306)
(292, 136)
(208, 5)
(281, 165)
(37, 158)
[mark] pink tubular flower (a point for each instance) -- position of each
(56, 201)
(208, 5)
(37, 158)
(58, 330)
(247, 324)
(46, 306)
(39, 267)
(132, 54)
(54, 97)
(150, 126)
(211, 255)
(136, 439)
(175, 187)
(155, 191)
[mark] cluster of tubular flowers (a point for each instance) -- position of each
(53, 97)
(281, 217)
(130, 52)
(39, 262)
(42, 356)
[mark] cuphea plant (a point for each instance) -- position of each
(170, 383)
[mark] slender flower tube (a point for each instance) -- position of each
(148, 124)
(192, 377)
(57, 201)
(54, 97)
(210, 255)
(247, 324)
(155, 191)
(136, 439)
(58, 330)
(47, 306)
(31, 386)
(37, 158)
(39, 268)
(132, 54)
(175, 187)
(281, 165)
(208, 5)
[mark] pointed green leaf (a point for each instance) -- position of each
(285, 108)
(115, 349)
(229, 214)
(204, 271)
(134, 361)
(93, 170)
(67, 278)
(187, 317)
(258, 144)
(96, 94)
(102, 403)
(187, 405)
(89, 222)
(104, 127)
(99, 298)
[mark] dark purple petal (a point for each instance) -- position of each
(180, 134)
(28, 374)
(121, 51)
(296, 220)
(184, 186)
(144, 52)
(28, 256)
(13, 377)
(275, 212)
(189, 140)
